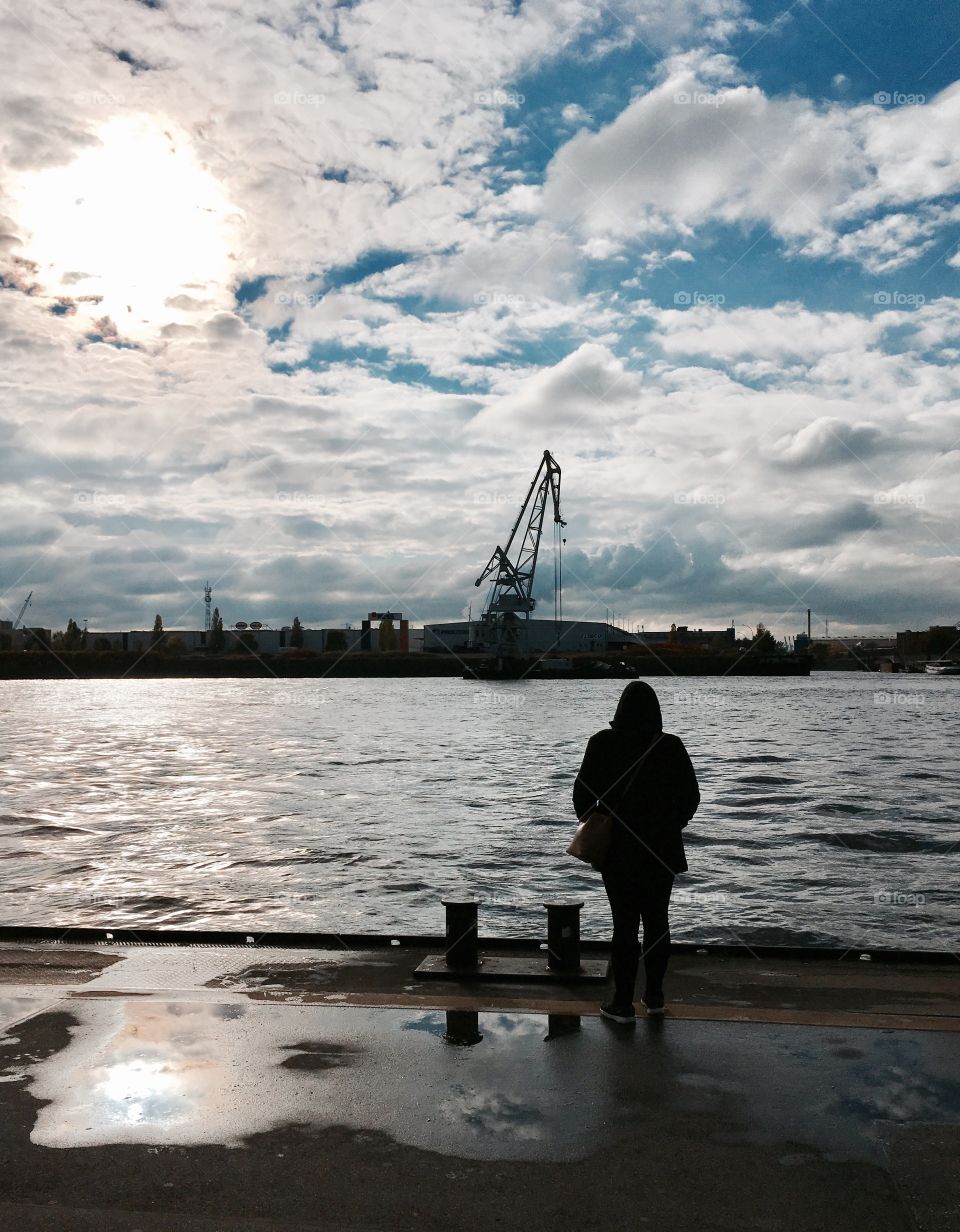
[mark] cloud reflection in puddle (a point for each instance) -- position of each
(192, 1073)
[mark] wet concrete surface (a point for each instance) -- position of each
(696, 984)
(169, 1093)
(52, 964)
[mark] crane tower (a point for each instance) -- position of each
(207, 620)
(504, 621)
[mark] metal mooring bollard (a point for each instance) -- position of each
(563, 935)
(562, 1024)
(463, 1028)
(462, 949)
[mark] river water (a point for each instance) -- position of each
(829, 814)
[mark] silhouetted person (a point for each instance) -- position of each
(650, 810)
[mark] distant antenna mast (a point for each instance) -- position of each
(207, 619)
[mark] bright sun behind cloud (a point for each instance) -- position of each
(136, 224)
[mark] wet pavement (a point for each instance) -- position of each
(211, 1088)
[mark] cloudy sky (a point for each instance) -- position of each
(295, 294)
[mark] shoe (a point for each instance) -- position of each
(618, 1013)
(653, 1005)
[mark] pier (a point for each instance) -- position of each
(252, 1083)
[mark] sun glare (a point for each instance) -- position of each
(133, 229)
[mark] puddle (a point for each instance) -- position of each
(189, 1073)
(476, 1086)
(16, 1006)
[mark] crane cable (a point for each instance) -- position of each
(560, 571)
(556, 618)
(557, 575)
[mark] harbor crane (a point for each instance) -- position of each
(504, 621)
(23, 608)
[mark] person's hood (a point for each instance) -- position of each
(638, 710)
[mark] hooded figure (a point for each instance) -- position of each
(642, 775)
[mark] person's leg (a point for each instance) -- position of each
(654, 911)
(624, 947)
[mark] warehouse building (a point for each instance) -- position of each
(563, 636)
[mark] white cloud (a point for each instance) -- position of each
(762, 333)
(584, 390)
(386, 101)
(703, 146)
(601, 248)
(208, 451)
(829, 441)
(573, 113)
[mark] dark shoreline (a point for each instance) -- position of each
(112, 665)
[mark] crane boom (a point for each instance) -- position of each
(24, 606)
(512, 590)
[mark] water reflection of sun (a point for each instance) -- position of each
(133, 229)
(132, 1091)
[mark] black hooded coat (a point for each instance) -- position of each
(650, 810)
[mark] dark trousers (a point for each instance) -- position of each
(640, 897)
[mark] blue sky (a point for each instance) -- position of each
(294, 297)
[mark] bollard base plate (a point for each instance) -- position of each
(500, 967)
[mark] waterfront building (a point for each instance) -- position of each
(259, 639)
(846, 646)
(544, 635)
(936, 641)
(683, 635)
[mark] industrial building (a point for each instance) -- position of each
(573, 636)
(932, 643)
(563, 636)
(253, 635)
(683, 635)
(844, 646)
(22, 637)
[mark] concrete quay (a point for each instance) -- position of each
(252, 1088)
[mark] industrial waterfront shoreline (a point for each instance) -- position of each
(94, 665)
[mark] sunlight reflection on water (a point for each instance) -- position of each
(351, 805)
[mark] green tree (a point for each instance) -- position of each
(762, 642)
(157, 636)
(102, 643)
(387, 636)
(72, 638)
(336, 640)
(215, 638)
(296, 634)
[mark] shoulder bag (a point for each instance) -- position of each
(591, 842)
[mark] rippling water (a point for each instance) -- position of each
(829, 815)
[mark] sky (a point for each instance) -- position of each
(293, 297)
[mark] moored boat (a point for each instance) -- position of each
(943, 667)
